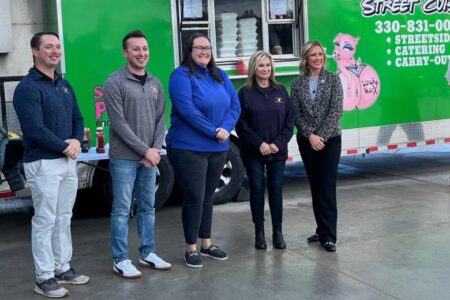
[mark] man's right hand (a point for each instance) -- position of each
(152, 158)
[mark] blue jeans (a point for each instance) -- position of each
(126, 175)
(256, 171)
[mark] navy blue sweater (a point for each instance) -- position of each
(266, 116)
(48, 114)
(200, 105)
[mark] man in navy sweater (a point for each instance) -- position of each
(52, 128)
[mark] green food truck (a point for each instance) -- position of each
(392, 57)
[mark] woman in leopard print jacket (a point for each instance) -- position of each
(317, 98)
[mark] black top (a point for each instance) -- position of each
(266, 116)
(141, 78)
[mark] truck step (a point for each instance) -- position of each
(24, 204)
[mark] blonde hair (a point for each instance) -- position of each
(306, 51)
(253, 63)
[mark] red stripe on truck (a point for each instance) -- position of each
(7, 194)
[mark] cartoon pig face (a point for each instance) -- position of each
(345, 46)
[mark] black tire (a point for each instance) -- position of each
(231, 178)
(164, 181)
(102, 187)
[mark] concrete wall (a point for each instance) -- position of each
(27, 19)
(5, 27)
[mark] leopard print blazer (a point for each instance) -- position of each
(323, 117)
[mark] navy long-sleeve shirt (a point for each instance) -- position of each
(200, 105)
(266, 116)
(48, 114)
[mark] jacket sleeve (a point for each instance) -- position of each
(180, 91)
(286, 132)
(160, 125)
(28, 106)
(114, 107)
(300, 119)
(233, 112)
(332, 119)
(243, 129)
(77, 119)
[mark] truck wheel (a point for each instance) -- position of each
(103, 186)
(164, 181)
(100, 199)
(231, 178)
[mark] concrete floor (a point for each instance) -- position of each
(393, 243)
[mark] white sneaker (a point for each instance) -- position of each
(154, 261)
(126, 269)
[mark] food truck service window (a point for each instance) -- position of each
(239, 28)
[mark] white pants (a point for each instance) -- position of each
(53, 184)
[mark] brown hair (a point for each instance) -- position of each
(132, 34)
(189, 62)
(36, 39)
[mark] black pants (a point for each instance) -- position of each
(198, 174)
(321, 167)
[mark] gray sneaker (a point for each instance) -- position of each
(72, 277)
(50, 288)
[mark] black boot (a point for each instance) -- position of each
(278, 240)
(260, 239)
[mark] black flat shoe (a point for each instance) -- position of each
(329, 246)
(313, 238)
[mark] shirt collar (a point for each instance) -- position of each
(130, 75)
(37, 74)
(202, 70)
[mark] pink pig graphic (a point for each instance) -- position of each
(360, 82)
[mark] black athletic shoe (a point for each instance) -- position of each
(214, 252)
(193, 259)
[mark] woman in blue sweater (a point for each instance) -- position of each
(265, 128)
(205, 109)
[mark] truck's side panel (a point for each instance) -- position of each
(93, 32)
(413, 87)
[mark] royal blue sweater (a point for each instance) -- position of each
(200, 105)
(48, 114)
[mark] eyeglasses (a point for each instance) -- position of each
(201, 48)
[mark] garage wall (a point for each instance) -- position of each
(26, 19)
